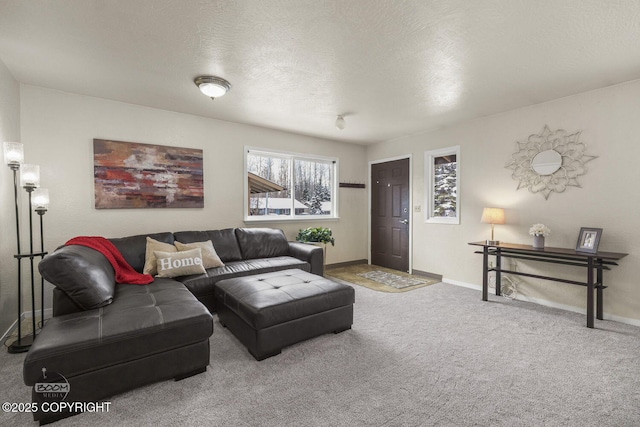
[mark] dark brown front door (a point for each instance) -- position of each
(390, 214)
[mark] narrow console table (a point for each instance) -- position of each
(594, 263)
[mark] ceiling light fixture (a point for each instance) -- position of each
(340, 123)
(212, 86)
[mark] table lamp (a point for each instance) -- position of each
(492, 216)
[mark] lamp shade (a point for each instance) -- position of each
(30, 176)
(492, 216)
(13, 153)
(40, 198)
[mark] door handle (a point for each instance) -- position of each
(404, 221)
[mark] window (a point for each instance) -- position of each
(442, 183)
(283, 186)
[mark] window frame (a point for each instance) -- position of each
(429, 170)
(293, 157)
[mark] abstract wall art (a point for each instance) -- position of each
(134, 175)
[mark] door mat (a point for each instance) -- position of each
(392, 279)
(379, 278)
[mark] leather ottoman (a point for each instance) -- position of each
(267, 312)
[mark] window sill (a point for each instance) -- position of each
(443, 220)
(252, 219)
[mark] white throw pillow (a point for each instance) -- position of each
(150, 259)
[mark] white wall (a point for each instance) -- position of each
(9, 131)
(609, 120)
(58, 129)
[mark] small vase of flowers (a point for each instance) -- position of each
(539, 232)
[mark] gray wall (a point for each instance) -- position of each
(9, 131)
(608, 119)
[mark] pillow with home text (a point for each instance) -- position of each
(184, 263)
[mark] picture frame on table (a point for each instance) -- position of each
(588, 240)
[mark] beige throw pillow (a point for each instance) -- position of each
(210, 258)
(150, 259)
(174, 264)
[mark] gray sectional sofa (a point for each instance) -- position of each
(106, 338)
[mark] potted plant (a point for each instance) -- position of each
(316, 235)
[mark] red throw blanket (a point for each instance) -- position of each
(124, 272)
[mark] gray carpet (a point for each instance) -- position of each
(437, 355)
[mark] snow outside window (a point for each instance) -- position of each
(442, 176)
(284, 186)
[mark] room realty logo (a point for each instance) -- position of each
(51, 386)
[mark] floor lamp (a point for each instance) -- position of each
(30, 181)
(41, 202)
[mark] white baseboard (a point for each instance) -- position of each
(462, 284)
(48, 312)
(546, 303)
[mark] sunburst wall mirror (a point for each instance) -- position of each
(549, 162)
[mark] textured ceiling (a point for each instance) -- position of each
(393, 68)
